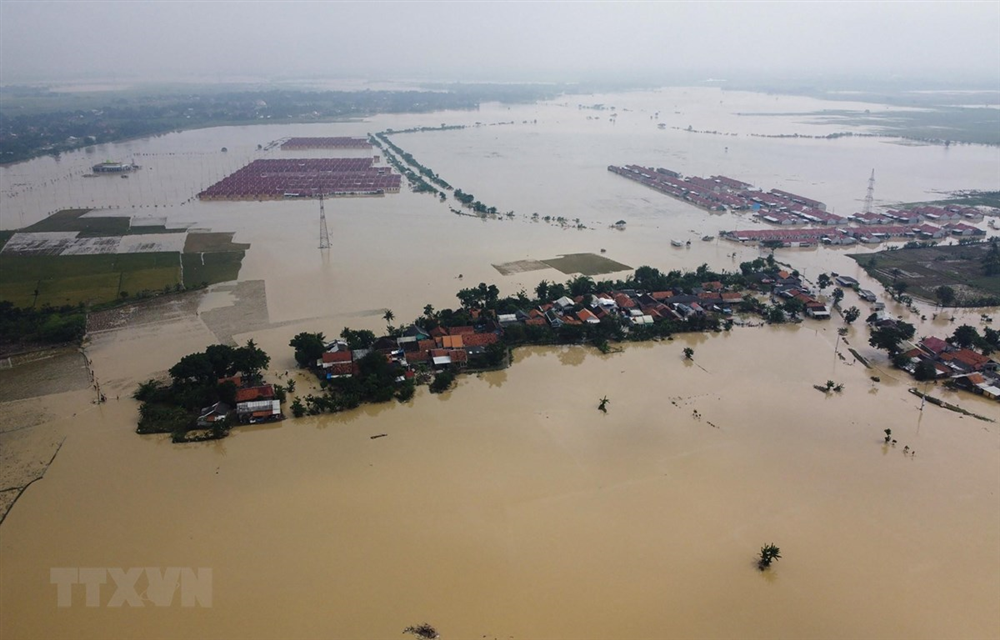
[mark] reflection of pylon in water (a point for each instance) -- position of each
(324, 233)
(870, 197)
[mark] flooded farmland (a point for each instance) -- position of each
(509, 506)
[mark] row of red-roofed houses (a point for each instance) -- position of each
(440, 348)
(783, 208)
(968, 369)
(915, 215)
(630, 307)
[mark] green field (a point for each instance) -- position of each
(212, 242)
(964, 199)
(92, 279)
(925, 269)
(589, 264)
(73, 220)
(217, 267)
(36, 280)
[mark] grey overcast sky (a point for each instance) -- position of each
(470, 41)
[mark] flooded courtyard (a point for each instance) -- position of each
(510, 507)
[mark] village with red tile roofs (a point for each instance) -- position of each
(650, 305)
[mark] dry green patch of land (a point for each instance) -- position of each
(73, 220)
(28, 281)
(212, 242)
(588, 264)
(964, 199)
(925, 269)
(33, 280)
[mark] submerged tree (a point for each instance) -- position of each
(688, 353)
(388, 316)
(945, 294)
(424, 630)
(768, 554)
(603, 406)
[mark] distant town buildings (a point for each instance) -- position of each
(812, 223)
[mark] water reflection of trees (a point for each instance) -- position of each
(572, 356)
(495, 378)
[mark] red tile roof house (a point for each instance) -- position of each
(480, 339)
(331, 358)
(966, 360)
(935, 346)
(341, 370)
(257, 404)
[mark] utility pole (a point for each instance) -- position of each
(870, 197)
(324, 233)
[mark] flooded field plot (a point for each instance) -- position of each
(43, 373)
(520, 266)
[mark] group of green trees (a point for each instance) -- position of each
(194, 384)
(45, 325)
(969, 337)
(890, 337)
(409, 159)
(376, 381)
(418, 184)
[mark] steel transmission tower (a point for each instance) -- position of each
(870, 197)
(324, 233)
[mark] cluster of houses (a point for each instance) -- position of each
(254, 404)
(721, 193)
(784, 209)
(867, 234)
(437, 348)
(453, 347)
(966, 368)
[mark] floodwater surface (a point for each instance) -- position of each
(510, 507)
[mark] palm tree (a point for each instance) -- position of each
(768, 554)
(389, 316)
(604, 404)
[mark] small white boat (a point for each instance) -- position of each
(677, 243)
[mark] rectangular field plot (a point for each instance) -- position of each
(44, 243)
(152, 243)
(135, 282)
(211, 267)
(90, 289)
(520, 266)
(92, 246)
(213, 242)
(20, 294)
(588, 264)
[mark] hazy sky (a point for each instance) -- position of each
(471, 41)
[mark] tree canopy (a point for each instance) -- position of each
(309, 347)
(888, 338)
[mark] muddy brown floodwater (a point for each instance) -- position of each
(510, 507)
